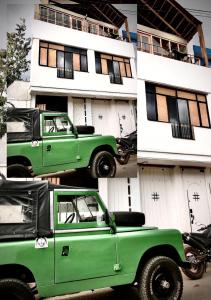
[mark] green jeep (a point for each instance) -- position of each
(43, 142)
(56, 240)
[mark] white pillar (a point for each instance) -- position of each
(91, 61)
(33, 101)
(89, 120)
(103, 189)
(70, 108)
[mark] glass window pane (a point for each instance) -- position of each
(58, 18)
(84, 66)
(194, 115)
(128, 70)
(98, 64)
(204, 114)
(76, 61)
(60, 59)
(162, 108)
(51, 17)
(156, 45)
(68, 65)
(66, 21)
(172, 110)
(52, 58)
(104, 66)
(43, 56)
(183, 112)
(151, 107)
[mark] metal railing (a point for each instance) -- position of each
(115, 79)
(182, 131)
(174, 54)
(68, 20)
(65, 73)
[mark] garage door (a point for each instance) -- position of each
(156, 201)
(197, 197)
(126, 118)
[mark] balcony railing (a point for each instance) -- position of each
(174, 54)
(115, 79)
(182, 131)
(50, 15)
(65, 73)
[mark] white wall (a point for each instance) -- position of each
(3, 154)
(45, 78)
(18, 94)
(155, 141)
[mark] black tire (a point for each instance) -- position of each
(18, 170)
(103, 165)
(14, 289)
(197, 269)
(160, 279)
(84, 129)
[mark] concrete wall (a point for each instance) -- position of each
(155, 141)
(3, 154)
(86, 83)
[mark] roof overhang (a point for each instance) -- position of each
(168, 16)
(95, 9)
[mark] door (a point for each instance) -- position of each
(60, 145)
(102, 116)
(84, 245)
(155, 196)
(197, 197)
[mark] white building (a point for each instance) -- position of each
(80, 64)
(174, 130)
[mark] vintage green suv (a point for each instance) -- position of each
(57, 240)
(43, 142)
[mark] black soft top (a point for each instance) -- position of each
(32, 200)
(30, 118)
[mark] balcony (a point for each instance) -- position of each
(173, 54)
(182, 131)
(51, 15)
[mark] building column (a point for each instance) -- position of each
(70, 108)
(89, 120)
(33, 101)
(103, 189)
(91, 61)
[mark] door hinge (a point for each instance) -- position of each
(117, 267)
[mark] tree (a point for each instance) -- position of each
(18, 47)
(2, 91)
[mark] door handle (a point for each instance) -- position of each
(48, 148)
(65, 250)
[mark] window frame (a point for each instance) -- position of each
(80, 51)
(180, 98)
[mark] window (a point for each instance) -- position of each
(56, 124)
(76, 24)
(79, 209)
(114, 66)
(65, 59)
(56, 17)
(180, 108)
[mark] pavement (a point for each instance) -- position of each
(129, 170)
(193, 290)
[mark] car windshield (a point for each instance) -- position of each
(57, 124)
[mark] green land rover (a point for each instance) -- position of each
(56, 240)
(43, 142)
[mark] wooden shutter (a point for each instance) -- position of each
(162, 108)
(201, 98)
(122, 69)
(165, 91)
(194, 115)
(52, 58)
(43, 56)
(76, 61)
(104, 66)
(186, 95)
(204, 114)
(128, 70)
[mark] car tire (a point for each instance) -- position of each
(18, 170)
(15, 289)
(122, 288)
(160, 279)
(103, 165)
(197, 270)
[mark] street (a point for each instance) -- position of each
(193, 290)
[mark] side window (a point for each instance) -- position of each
(56, 124)
(79, 209)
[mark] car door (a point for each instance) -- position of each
(60, 144)
(85, 247)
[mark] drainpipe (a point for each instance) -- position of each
(202, 44)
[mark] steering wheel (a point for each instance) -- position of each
(70, 218)
(51, 129)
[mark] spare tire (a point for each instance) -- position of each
(134, 219)
(83, 129)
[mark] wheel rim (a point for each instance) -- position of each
(104, 166)
(163, 283)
